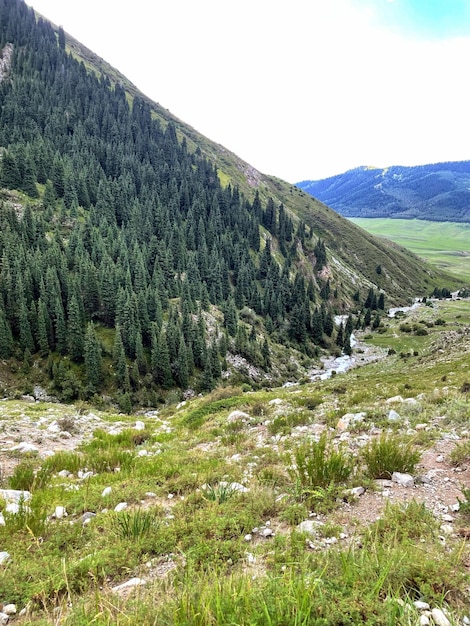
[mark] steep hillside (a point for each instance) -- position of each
(438, 192)
(139, 258)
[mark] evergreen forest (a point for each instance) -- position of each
(127, 267)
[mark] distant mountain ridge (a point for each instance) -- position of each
(437, 192)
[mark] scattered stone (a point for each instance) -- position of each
(2, 520)
(422, 426)
(455, 507)
(54, 427)
(250, 558)
(394, 399)
(357, 491)
(106, 491)
(123, 588)
(405, 480)
(393, 416)
(350, 418)
(9, 609)
(439, 618)
(139, 425)
(267, 532)
(4, 618)
(87, 517)
(120, 507)
(412, 401)
(248, 537)
(237, 416)
(421, 606)
(424, 620)
(447, 518)
(24, 448)
(60, 512)
(310, 526)
(64, 473)
(142, 453)
(84, 475)
(466, 620)
(14, 495)
(4, 557)
(447, 529)
(440, 458)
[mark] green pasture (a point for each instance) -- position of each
(444, 244)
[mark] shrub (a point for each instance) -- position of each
(319, 466)
(134, 524)
(461, 453)
(388, 454)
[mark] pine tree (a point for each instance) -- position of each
(75, 334)
(6, 337)
(119, 362)
(92, 357)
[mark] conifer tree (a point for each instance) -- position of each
(75, 333)
(93, 360)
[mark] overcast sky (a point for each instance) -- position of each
(301, 89)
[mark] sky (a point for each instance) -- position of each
(300, 89)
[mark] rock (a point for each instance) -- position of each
(128, 585)
(248, 537)
(84, 475)
(9, 609)
(310, 526)
(60, 512)
(54, 427)
(15, 495)
(412, 401)
(350, 418)
(394, 399)
(440, 458)
(422, 426)
(466, 620)
(27, 398)
(424, 620)
(237, 416)
(439, 618)
(405, 480)
(267, 532)
(139, 425)
(250, 558)
(421, 606)
(393, 416)
(4, 618)
(357, 491)
(4, 557)
(142, 453)
(24, 448)
(64, 473)
(106, 491)
(447, 518)
(455, 507)
(2, 520)
(87, 517)
(447, 529)
(120, 507)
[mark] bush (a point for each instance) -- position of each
(318, 467)
(388, 454)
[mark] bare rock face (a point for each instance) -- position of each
(5, 61)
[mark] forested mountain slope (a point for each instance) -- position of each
(438, 192)
(137, 256)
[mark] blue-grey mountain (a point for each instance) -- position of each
(439, 192)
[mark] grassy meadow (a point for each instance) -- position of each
(444, 244)
(203, 550)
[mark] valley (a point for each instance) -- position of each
(444, 244)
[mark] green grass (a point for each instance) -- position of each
(444, 244)
(218, 576)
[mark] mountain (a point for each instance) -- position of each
(139, 258)
(439, 192)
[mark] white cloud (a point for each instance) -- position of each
(301, 89)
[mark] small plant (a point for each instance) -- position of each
(465, 504)
(388, 454)
(319, 467)
(219, 493)
(134, 524)
(26, 477)
(461, 453)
